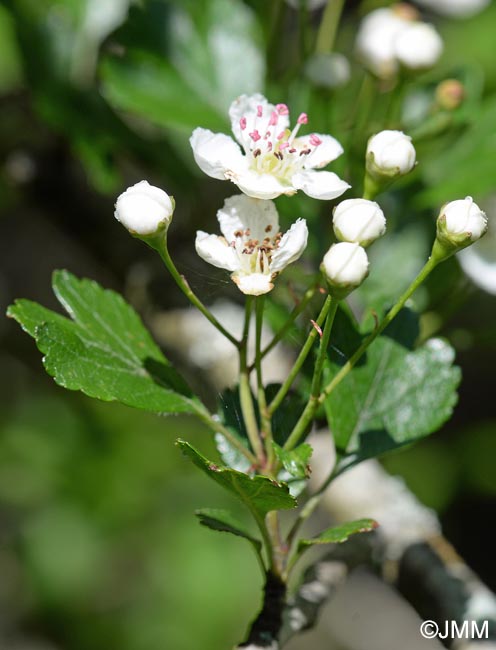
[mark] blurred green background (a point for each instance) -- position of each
(98, 545)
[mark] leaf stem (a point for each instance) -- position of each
(266, 425)
(281, 394)
(355, 357)
(297, 310)
(311, 407)
(189, 293)
(328, 27)
(217, 427)
(245, 396)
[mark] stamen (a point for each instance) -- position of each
(256, 153)
(259, 111)
(242, 123)
(293, 150)
(255, 135)
(281, 135)
(315, 140)
(268, 228)
(282, 109)
(269, 145)
(267, 135)
(278, 154)
(283, 145)
(302, 119)
(274, 117)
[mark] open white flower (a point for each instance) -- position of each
(272, 159)
(251, 245)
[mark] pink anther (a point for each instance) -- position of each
(273, 118)
(281, 135)
(303, 118)
(282, 109)
(255, 135)
(259, 111)
(283, 145)
(242, 123)
(315, 140)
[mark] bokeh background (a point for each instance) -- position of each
(98, 544)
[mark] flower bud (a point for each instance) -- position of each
(358, 221)
(418, 46)
(144, 209)
(460, 223)
(345, 266)
(450, 93)
(390, 154)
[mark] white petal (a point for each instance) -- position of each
(327, 151)
(247, 106)
(254, 284)
(260, 186)
(291, 246)
(215, 251)
(216, 153)
(320, 185)
(242, 212)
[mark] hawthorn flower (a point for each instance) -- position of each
(251, 245)
(143, 209)
(345, 266)
(267, 158)
(358, 221)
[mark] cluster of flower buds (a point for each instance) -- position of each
(391, 38)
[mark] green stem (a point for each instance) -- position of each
(266, 428)
(329, 26)
(217, 427)
(298, 309)
(281, 393)
(278, 553)
(431, 263)
(313, 402)
(188, 292)
(245, 396)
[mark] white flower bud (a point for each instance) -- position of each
(390, 153)
(143, 209)
(358, 221)
(456, 8)
(464, 217)
(345, 266)
(418, 46)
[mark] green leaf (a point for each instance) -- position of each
(223, 521)
(295, 462)
(339, 534)
(397, 395)
(260, 494)
(196, 83)
(104, 351)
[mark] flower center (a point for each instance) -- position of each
(255, 256)
(276, 151)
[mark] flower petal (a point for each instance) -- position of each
(320, 185)
(247, 106)
(328, 150)
(291, 246)
(216, 251)
(260, 186)
(216, 153)
(253, 284)
(241, 212)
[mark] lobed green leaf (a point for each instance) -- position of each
(339, 534)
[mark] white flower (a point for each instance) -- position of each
(143, 209)
(464, 217)
(358, 221)
(251, 245)
(272, 159)
(418, 46)
(390, 153)
(456, 8)
(390, 37)
(345, 265)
